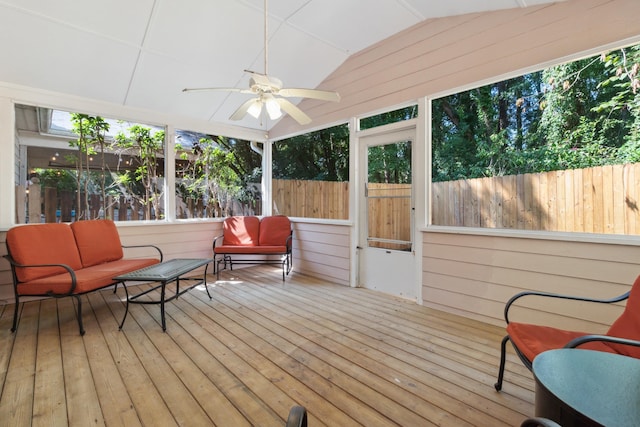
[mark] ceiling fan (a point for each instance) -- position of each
(270, 93)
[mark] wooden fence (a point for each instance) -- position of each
(592, 200)
(311, 199)
(389, 215)
(36, 204)
(604, 199)
(47, 205)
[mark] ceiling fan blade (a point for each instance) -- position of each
(293, 111)
(323, 95)
(224, 89)
(243, 109)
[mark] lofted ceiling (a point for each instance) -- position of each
(142, 53)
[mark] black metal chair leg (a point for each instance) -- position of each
(79, 314)
(503, 357)
(15, 317)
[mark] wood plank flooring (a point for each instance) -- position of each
(350, 356)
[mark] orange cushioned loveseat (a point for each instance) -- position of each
(59, 260)
(270, 237)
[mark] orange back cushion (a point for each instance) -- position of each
(98, 241)
(628, 324)
(241, 230)
(42, 244)
(274, 230)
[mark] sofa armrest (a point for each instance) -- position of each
(50, 293)
(146, 246)
(216, 240)
(560, 296)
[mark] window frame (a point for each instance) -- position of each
(623, 239)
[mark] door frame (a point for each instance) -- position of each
(362, 137)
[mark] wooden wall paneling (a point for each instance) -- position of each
(477, 274)
(322, 250)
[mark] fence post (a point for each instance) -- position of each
(50, 204)
(35, 204)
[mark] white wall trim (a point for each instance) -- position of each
(611, 239)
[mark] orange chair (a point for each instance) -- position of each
(529, 340)
(269, 237)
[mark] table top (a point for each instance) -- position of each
(165, 271)
(602, 386)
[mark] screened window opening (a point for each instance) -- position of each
(554, 150)
(311, 174)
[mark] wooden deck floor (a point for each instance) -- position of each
(350, 356)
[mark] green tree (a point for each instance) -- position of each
(219, 170)
(580, 114)
(91, 132)
(321, 155)
(147, 146)
(390, 164)
(623, 67)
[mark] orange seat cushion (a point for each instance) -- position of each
(628, 324)
(274, 230)
(87, 279)
(42, 244)
(532, 340)
(241, 231)
(98, 241)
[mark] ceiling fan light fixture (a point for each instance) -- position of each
(269, 92)
(255, 108)
(273, 109)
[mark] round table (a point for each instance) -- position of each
(587, 388)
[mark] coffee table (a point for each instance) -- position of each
(164, 273)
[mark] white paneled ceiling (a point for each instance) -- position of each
(142, 53)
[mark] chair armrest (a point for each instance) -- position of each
(560, 296)
(289, 241)
(215, 240)
(50, 293)
(606, 338)
(146, 246)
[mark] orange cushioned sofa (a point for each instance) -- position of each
(59, 260)
(249, 235)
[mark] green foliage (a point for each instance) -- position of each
(91, 132)
(217, 170)
(390, 164)
(394, 116)
(147, 146)
(322, 155)
(60, 179)
(575, 115)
